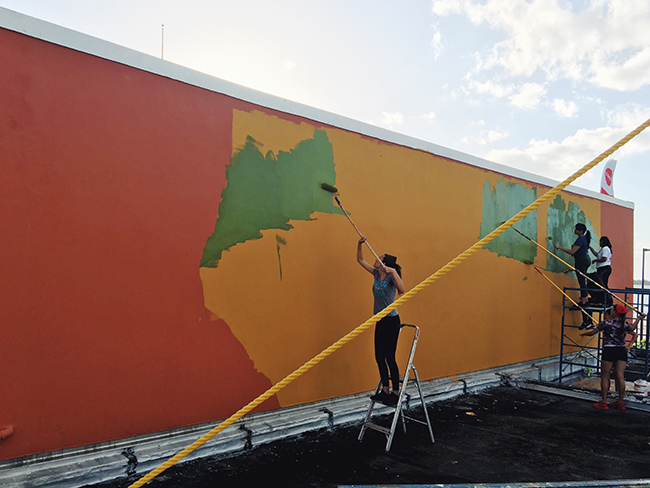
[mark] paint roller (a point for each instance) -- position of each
(335, 191)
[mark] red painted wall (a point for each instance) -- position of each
(93, 184)
(617, 224)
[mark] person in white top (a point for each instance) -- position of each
(604, 260)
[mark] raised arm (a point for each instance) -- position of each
(637, 320)
(360, 259)
(397, 280)
(571, 251)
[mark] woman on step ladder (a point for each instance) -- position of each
(388, 279)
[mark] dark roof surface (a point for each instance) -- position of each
(502, 435)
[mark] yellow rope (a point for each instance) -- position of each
(578, 271)
(560, 290)
(571, 299)
(374, 319)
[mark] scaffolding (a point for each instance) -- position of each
(576, 353)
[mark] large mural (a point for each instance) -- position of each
(169, 253)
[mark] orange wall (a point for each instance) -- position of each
(617, 224)
(112, 181)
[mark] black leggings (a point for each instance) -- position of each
(603, 273)
(582, 263)
(386, 335)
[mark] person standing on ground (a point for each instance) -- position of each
(603, 260)
(388, 279)
(580, 253)
(614, 329)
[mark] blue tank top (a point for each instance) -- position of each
(384, 292)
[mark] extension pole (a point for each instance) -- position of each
(577, 271)
(560, 290)
(358, 231)
(571, 299)
(335, 191)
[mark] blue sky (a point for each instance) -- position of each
(544, 86)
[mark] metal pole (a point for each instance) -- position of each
(162, 43)
(643, 268)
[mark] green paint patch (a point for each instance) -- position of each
(500, 204)
(560, 224)
(267, 191)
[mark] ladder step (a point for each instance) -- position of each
(415, 420)
(378, 428)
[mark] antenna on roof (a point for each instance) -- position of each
(162, 43)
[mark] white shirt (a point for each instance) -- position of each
(606, 253)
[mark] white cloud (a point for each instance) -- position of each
(628, 116)
(558, 160)
(430, 116)
(491, 88)
(437, 44)
(529, 96)
(394, 118)
(288, 64)
(606, 42)
(482, 136)
(564, 108)
(388, 120)
(494, 135)
(631, 75)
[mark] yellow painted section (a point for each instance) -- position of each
(425, 209)
(276, 134)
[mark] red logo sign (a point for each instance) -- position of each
(609, 175)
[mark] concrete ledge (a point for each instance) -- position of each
(134, 457)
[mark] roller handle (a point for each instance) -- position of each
(358, 231)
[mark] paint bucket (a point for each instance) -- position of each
(641, 386)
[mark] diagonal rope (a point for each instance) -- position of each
(569, 298)
(578, 271)
(575, 304)
(572, 300)
(375, 318)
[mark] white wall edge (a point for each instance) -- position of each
(84, 43)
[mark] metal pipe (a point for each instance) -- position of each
(643, 268)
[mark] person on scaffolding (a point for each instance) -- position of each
(388, 279)
(580, 253)
(603, 260)
(615, 329)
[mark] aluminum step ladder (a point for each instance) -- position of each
(405, 381)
